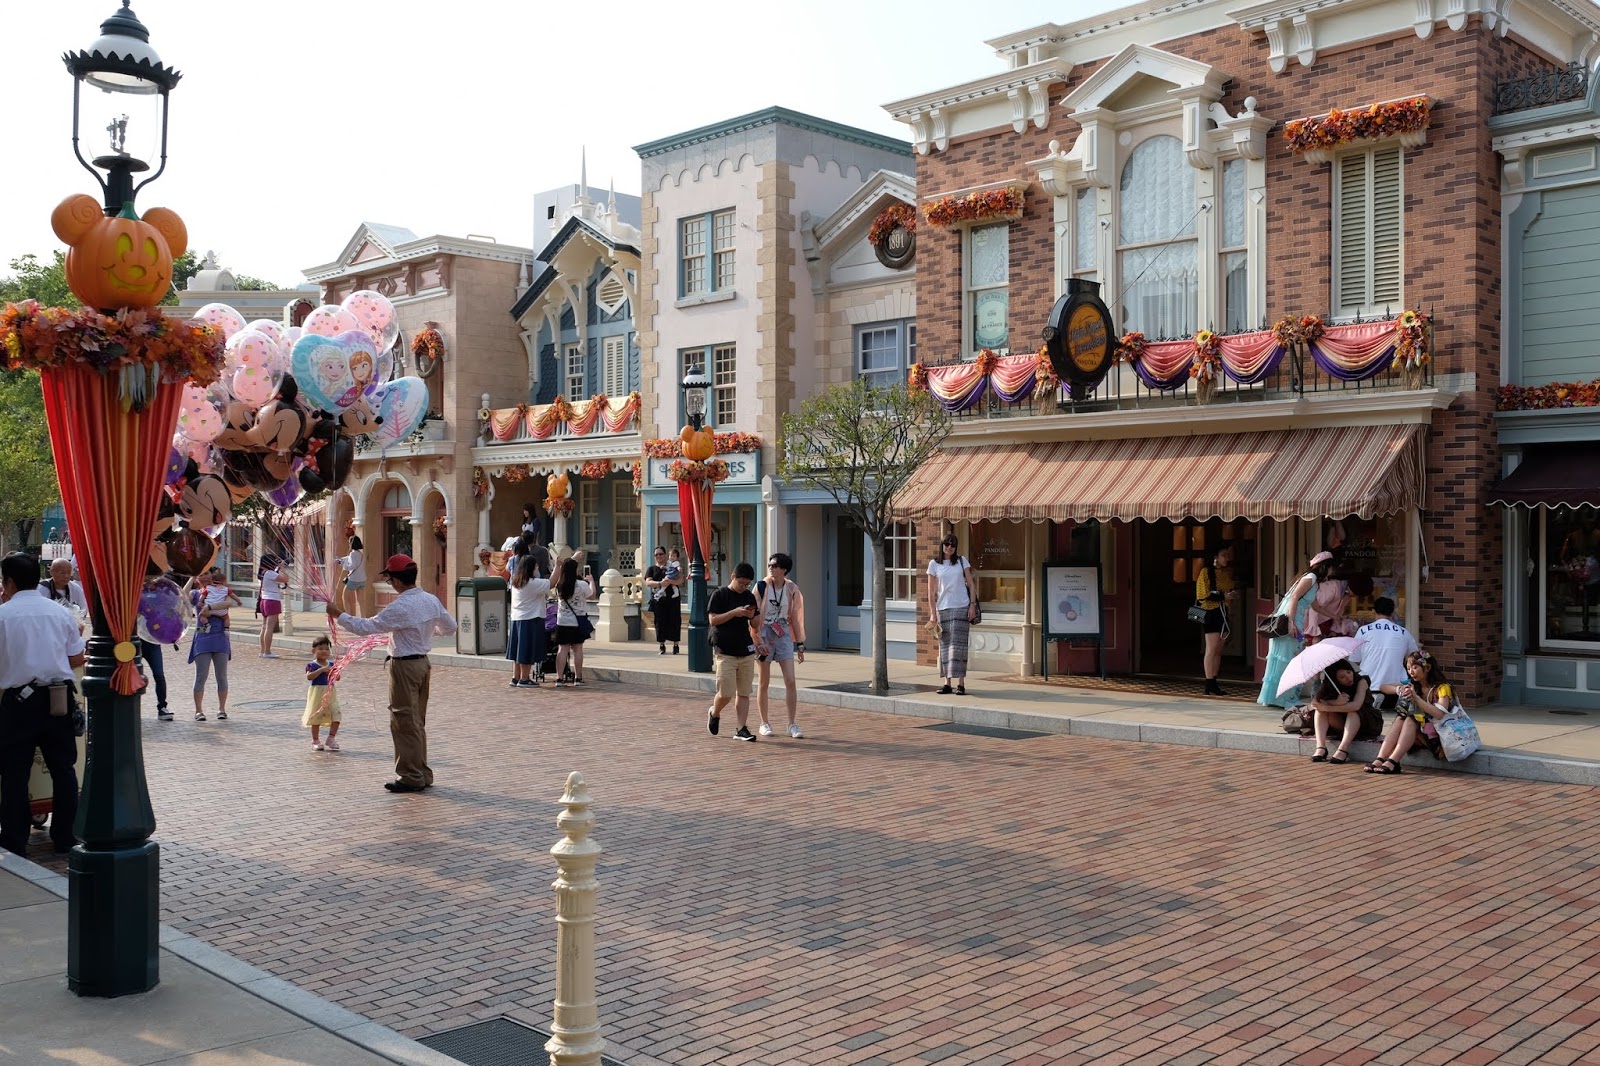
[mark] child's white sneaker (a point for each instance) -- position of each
(332, 745)
(316, 745)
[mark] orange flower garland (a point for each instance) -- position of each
(917, 379)
(713, 470)
(986, 362)
(896, 215)
(725, 444)
(1131, 347)
(946, 211)
(1364, 123)
(1557, 394)
(37, 338)
(427, 344)
(1305, 330)
(595, 469)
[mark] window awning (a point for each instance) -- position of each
(1304, 473)
(1551, 477)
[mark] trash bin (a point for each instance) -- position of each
(635, 624)
(483, 605)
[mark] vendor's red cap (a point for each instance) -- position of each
(398, 564)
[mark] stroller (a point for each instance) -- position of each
(548, 665)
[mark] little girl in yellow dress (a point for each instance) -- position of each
(322, 697)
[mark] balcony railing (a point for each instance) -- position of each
(1551, 86)
(1354, 358)
(600, 416)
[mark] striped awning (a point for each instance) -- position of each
(1304, 473)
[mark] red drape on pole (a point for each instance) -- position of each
(694, 506)
(686, 511)
(111, 464)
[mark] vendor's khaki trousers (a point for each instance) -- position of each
(408, 719)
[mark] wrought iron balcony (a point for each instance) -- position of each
(1551, 86)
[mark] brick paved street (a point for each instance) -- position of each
(883, 892)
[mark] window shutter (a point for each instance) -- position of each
(1352, 232)
(1386, 207)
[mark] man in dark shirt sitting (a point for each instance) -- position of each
(732, 613)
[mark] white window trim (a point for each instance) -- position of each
(573, 385)
(721, 384)
(1551, 643)
(911, 568)
(614, 364)
(969, 343)
(589, 515)
(1373, 307)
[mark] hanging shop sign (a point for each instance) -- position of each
(1080, 337)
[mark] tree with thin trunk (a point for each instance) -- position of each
(862, 445)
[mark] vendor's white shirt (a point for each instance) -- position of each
(36, 637)
(952, 583)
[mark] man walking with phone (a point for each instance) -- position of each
(732, 612)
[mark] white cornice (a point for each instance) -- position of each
(1026, 88)
(565, 453)
(421, 249)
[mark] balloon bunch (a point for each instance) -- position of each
(282, 419)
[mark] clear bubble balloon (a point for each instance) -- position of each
(251, 349)
(267, 326)
(199, 419)
(222, 317)
(161, 612)
(375, 315)
(330, 320)
(253, 386)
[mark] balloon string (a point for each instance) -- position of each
(356, 651)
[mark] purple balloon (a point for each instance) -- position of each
(176, 461)
(286, 494)
(160, 615)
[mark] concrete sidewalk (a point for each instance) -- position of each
(210, 1009)
(1529, 743)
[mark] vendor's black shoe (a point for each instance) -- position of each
(401, 786)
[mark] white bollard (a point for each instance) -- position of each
(575, 1039)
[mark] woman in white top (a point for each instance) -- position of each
(953, 604)
(269, 604)
(572, 621)
(355, 576)
(530, 591)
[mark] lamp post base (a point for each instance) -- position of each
(699, 619)
(113, 938)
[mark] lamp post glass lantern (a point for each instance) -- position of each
(695, 386)
(114, 871)
(126, 105)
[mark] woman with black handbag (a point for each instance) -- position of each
(1214, 591)
(1293, 609)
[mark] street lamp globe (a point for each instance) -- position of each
(695, 385)
(132, 86)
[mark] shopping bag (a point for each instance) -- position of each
(1458, 735)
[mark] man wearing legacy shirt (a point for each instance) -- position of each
(411, 622)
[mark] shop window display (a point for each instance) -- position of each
(1371, 553)
(998, 551)
(1569, 566)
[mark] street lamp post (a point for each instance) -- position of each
(114, 894)
(695, 386)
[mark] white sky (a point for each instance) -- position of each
(297, 120)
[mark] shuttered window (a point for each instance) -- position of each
(614, 366)
(1367, 229)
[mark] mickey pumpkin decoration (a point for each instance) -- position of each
(557, 487)
(698, 444)
(122, 260)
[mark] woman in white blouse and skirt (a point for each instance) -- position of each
(953, 602)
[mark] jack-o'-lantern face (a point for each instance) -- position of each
(124, 261)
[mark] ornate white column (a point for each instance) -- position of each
(575, 1039)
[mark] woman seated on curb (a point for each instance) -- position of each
(1343, 695)
(1424, 701)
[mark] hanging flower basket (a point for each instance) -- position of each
(441, 529)
(1413, 339)
(985, 205)
(1393, 118)
(427, 348)
(559, 506)
(1557, 394)
(595, 469)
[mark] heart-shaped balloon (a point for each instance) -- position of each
(222, 317)
(402, 408)
(190, 552)
(330, 320)
(198, 417)
(332, 371)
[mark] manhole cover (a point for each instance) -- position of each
(1575, 714)
(271, 705)
(864, 688)
(497, 1042)
(993, 731)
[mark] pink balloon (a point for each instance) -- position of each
(267, 326)
(253, 386)
(252, 349)
(199, 421)
(222, 317)
(375, 315)
(330, 320)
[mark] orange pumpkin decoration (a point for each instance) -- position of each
(557, 487)
(698, 445)
(120, 261)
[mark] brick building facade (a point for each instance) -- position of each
(1066, 119)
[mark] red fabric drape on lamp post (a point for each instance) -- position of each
(111, 464)
(686, 511)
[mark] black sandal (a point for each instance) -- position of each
(1339, 757)
(961, 690)
(946, 690)
(1320, 755)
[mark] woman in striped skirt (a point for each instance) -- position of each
(953, 602)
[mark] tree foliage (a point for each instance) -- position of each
(34, 280)
(27, 470)
(862, 445)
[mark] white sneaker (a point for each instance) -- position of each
(794, 731)
(317, 746)
(332, 745)
(765, 730)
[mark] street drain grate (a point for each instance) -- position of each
(497, 1042)
(995, 732)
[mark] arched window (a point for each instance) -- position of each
(398, 498)
(1157, 250)
(396, 510)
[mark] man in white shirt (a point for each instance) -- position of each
(62, 588)
(411, 622)
(39, 647)
(1383, 656)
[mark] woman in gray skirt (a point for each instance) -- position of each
(953, 602)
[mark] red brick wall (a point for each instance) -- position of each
(1452, 263)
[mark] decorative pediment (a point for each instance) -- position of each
(1136, 72)
(875, 194)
